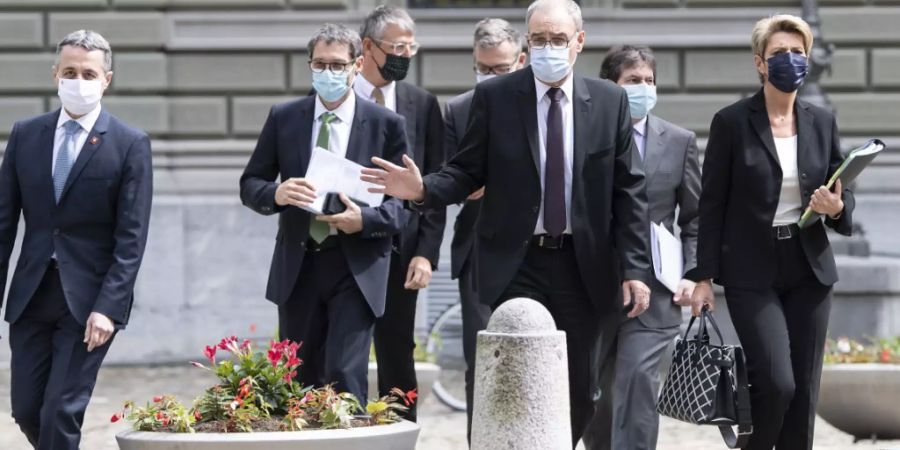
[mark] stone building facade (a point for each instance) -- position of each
(200, 75)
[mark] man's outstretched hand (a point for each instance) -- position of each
(404, 183)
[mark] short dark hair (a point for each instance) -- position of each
(331, 33)
(623, 57)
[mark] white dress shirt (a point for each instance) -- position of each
(640, 136)
(86, 121)
(364, 89)
(790, 206)
(339, 129)
(543, 109)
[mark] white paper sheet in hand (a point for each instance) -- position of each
(667, 258)
(331, 173)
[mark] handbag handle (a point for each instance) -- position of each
(703, 333)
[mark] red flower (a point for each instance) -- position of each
(274, 357)
(411, 397)
(886, 355)
(116, 417)
(293, 361)
(223, 344)
(157, 399)
(290, 375)
(210, 353)
(246, 344)
(197, 415)
(159, 415)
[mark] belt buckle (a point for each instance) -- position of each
(786, 232)
(558, 244)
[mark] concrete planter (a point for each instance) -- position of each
(426, 374)
(861, 399)
(397, 436)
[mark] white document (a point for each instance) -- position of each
(667, 257)
(329, 172)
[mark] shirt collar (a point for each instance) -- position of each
(86, 121)
(566, 87)
(641, 127)
(344, 111)
(364, 87)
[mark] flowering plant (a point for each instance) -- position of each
(844, 350)
(257, 391)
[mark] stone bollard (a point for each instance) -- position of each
(521, 381)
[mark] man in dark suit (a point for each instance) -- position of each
(388, 35)
(564, 215)
(83, 181)
(329, 273)
(626, 415)
(498, 50)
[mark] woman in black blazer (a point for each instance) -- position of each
(767, 159)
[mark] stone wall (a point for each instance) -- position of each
(200, 75)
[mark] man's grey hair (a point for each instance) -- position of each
(374, 24)
(490, 33)
(331, 33)
(571, 7)
(90, 41)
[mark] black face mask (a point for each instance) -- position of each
(395, 67)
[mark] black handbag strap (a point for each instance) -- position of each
(744, 419)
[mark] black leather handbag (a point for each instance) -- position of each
(707, 384)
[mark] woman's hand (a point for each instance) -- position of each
(826, 202)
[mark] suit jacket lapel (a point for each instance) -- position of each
(406, 107)
(527, 101)
(654, 146)
(305, 118)
(581, 111)
(94, 141)
(357, 134)
(45, 160)
(805, 132)
(760, 121)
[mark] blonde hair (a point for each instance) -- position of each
(765, 28)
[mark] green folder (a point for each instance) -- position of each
(852, 166)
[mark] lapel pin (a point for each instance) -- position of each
(95, 140)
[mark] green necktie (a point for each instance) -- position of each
(319, 230)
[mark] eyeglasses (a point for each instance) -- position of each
(556, 43)
(399, 48)
(500, 69)
(336, 67)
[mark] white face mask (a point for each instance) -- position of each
(479, 77)
(80, 97)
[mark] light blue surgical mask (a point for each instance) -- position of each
(331, 86)
(550, 64)
(483, 77)
(641, 99)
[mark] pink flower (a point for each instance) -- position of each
(197, 415)
(293, 361)
(274, 357)
(253, 328)
(210, 353)
(116, 417)
(196, 364)
(246, 344)
(157, 399)
(289, 376)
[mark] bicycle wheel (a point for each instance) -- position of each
(445, 344)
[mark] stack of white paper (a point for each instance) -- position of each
(667, 257)
(331, 173)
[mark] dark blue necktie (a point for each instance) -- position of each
(554, 168)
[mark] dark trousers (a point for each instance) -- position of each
(551, 277)
(475, 316)
(52, 373)
(625, 416)
(782, 329)
(395, 336)
(329, 315)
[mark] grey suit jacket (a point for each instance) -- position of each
(673, 181)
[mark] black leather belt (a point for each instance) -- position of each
(331, 242)
(551, 242)
(785, 232)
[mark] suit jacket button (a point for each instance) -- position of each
(303, 245)
(525, 244)
(803, 175)
(806, 193)
(56, 231)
